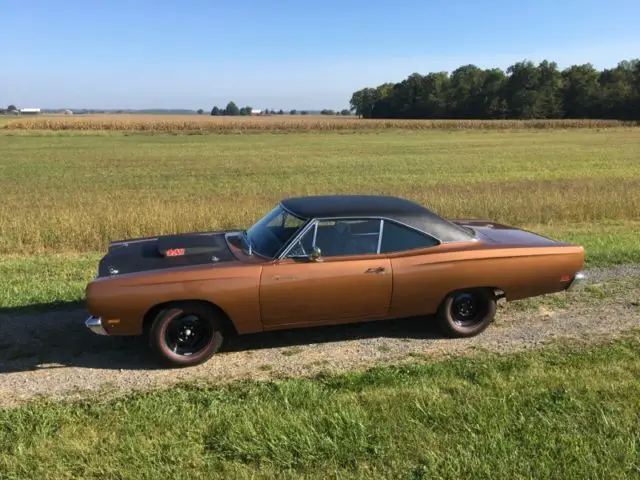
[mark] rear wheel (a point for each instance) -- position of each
(466, 313)
(186, 334)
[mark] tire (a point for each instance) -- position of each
(466, 313)
(186, 334)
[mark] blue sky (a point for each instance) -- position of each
(282, 54)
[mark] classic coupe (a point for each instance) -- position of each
(321, 260)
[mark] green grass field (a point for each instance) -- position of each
(64, 197)
(75, 193)
(566, 412)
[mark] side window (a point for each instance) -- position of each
(396, 238)
(304, 245)
(341, 237)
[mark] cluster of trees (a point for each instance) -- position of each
(524, 91)
(332, 112)
(232, 109)
(9, 109)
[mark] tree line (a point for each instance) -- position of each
(524, 91)
(233, 110)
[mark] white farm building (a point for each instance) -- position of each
(29, 111)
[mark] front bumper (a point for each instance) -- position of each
(580, 276)
(95, 325)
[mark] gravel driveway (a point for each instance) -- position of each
(51, 353)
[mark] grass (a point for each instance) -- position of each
(622, 290)
(606, 243)
(65, 197)
(75, 193)
(280, 123)
(566, 412)
(45, 280)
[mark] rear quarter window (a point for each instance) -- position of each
(397, 238)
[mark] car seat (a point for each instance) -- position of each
(343, 240)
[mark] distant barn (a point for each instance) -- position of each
(29, 111)
(255, 111)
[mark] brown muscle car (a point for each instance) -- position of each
(321, 260)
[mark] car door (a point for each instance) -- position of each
(350, 282)
(418, 278)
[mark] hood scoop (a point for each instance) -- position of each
(183, 245)
(165, 252)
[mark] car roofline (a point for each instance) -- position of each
(401, 205)
(311, 221)
(417, 216)
(297, 215)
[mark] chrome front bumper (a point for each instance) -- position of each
(580, 276)
(95, 325)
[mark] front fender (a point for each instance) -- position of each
(123, 301)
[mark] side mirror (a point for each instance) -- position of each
(315, 255)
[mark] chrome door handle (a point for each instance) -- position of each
(374, 270)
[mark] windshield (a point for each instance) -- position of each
(269, 234)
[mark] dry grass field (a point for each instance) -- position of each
(70, 185)
(75, 193)
(65, 195)
(277, 123)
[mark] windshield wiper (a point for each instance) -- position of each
(247, 239)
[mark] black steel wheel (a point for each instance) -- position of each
(186, 334)
(466, 309)
(466, 313)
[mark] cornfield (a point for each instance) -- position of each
(209, 124)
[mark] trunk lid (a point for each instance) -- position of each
(496, 233)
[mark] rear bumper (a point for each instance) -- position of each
(95, 325)
(579, 277)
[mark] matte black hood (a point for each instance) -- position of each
(168, 251)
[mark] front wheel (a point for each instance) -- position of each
(466, 313)
(186, 334)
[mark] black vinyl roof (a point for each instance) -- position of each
(394, 208)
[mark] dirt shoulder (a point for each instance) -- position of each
(50, 352)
